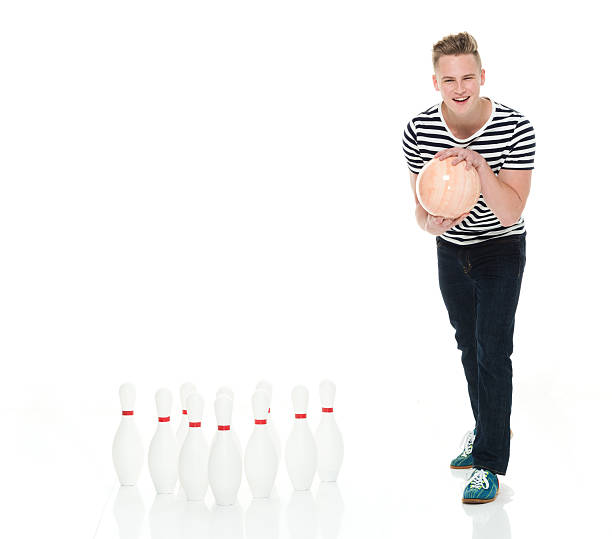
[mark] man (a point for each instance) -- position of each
(481, 254)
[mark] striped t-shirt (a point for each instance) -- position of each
(506, 140)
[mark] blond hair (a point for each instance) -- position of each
(453, 45)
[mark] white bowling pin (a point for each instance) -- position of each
(301, 449)
(186, 389)
(260, 456)
(330, 447)
(193, 458)
(225, 390)
(271, 427)
(128, 451)
(225, 461)
(163, 451)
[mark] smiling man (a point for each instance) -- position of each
(481, 254)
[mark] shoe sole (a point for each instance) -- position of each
(476, 500)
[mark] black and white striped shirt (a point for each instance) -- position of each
(507, 140)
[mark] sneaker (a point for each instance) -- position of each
(481, 487)
(465, 459)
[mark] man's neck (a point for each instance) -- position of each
(466, 124)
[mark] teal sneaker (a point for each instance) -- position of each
(465, 459)
(481, 487)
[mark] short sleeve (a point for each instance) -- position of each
(411, 149)
(522, 147)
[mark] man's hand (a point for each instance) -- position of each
(471, 158)
(438, 225)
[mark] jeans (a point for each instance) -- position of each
(480, 285)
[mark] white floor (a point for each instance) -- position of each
(395, 482)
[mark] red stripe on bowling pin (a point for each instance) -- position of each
(328, 410)
(164, 419)
(127, 412)
(195, 424)
(223, 427)
(300, 416)
(261, 421)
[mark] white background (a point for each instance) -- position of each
(216, 192)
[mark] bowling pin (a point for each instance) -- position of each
(225, 390)
(271, 427)
(163, 450)
(128, 451)
(260, 456)
(186, 390)
(301, 449)
(330, 447)
(225, 461)
(193, 457)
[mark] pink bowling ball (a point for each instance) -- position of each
(446, 190)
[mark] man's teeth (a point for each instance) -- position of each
(460, 100)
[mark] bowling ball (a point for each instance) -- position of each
(446, 190)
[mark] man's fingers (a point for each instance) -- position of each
(447, 223)
(453, 222)
(460, 218)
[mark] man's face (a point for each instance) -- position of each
(458, 77)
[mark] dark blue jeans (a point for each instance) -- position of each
(480, 285)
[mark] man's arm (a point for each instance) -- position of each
(419, 212)
(508, 195)
(505, 193)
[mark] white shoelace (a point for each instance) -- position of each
(478, 479)
(467, 443)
